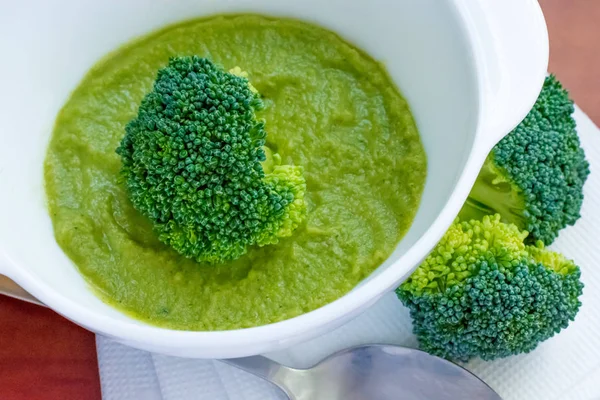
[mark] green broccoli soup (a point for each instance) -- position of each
(341, 172)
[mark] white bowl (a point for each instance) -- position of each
(470, 69)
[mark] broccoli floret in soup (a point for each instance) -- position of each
(193, 164)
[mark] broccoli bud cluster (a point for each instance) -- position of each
(192, 163)
(534, 176)
(483, 293)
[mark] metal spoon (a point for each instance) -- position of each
(373, 372)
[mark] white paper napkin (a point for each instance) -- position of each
(565, 367)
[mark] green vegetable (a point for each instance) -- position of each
(483, 293)
(534, 177)
(192, 162)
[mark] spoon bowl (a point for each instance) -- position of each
(372, 372)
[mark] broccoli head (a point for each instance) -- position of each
(483, 293)
(192, 161)
(534, 176)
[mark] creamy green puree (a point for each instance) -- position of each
(329, 107)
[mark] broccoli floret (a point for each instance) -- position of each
(534, 176)
(483, 293)
(192, 161)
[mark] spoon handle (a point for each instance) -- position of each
(264, 368)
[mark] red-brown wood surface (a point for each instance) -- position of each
(574, 27)
(43, 356)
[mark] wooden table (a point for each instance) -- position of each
(574, 27)
(43, 356)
